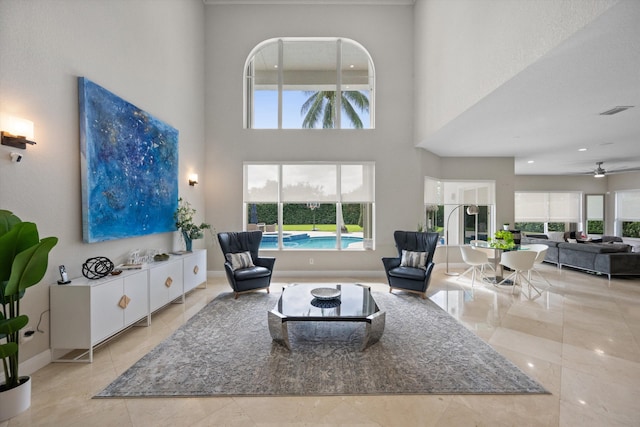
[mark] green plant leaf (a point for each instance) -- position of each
(7, 221)
(29, 266)
(13, 324)
(8, 349)
(20, 237)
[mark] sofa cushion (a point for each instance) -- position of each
(531, 240)
(535, 236)
(249, 273)
(408, 273)
(597, 248)
(556, 236)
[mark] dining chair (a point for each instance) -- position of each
(484, 246)
(476, 260)
(520, 262)
(541, 252)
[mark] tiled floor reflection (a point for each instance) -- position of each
(580, 339)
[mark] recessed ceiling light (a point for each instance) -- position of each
(582, 149)
(351, 66)
(530, 161)
(275, 66)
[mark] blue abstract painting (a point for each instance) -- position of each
(129, 167)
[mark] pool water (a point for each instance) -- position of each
(304, 241)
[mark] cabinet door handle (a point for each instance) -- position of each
(168, 282)
(124, 302)
(195, 270)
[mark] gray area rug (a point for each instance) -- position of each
(226, 350)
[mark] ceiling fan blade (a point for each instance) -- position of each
(624, 170)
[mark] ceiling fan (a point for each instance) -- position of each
(600, 172)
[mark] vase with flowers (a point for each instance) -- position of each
(183, 217)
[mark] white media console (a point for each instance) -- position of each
(86, 312)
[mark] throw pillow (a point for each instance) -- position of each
(240, 260)
(414, 259)
(556, 236)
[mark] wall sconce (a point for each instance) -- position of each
(193, 179)
(16, 132)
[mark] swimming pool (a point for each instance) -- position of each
(304, 241)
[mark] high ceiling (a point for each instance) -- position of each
(550, 110)
(319, 2)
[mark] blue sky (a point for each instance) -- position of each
(266, 110)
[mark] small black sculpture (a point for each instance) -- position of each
(97, 268)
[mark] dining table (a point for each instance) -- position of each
(495, 255)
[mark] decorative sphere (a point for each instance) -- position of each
(97, 268)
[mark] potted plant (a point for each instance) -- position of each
(505, 226)
(184, 223)
(502, 239)
(23, 263)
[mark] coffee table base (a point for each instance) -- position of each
(278, 328)
(373, 330)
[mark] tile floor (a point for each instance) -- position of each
(580, 339)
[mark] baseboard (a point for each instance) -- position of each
(35, 363)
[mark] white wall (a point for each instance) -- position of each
(465, 49)
(150, 52)
(386, 32)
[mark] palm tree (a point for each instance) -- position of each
(322, 103)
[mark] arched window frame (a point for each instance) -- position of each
(249, 76)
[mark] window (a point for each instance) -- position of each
(441, 199)
(311, 205)
(628, 213)
(296, 83)
(595, 213)
(547, 211)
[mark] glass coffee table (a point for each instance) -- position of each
(326, 303)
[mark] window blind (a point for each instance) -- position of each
(628, 205)
(437, 192)
(313, 182)
(261, 183)
(547, 206)
(595, 208)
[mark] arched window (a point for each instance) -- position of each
(307, 83)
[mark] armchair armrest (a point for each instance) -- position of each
(390, 263)
(429, 270)
(228, 267)
(266, 262)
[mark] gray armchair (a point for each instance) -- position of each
(406, 276)
(245, 275)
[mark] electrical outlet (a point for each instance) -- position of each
(27, 334)
(311, 261)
